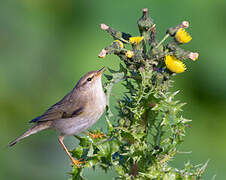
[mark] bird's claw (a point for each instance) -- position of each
(78, 162)
(97, 135)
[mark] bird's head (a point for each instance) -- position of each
(91, 80)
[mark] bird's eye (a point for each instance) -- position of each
(89, 79)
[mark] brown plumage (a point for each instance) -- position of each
(76, 112)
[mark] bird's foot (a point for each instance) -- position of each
(98, 135)
(78, 162)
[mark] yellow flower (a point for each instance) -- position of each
(120, 43)
(136, 40)
(182, 36)
(129, 54)
(174, 64)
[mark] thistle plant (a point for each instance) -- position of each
(143, 137)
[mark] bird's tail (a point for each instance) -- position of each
(36, 128)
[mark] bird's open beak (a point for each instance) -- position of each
(100, 72)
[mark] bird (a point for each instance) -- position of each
(74, 113)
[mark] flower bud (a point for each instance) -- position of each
(193, 56)
(104, 27)
(102, 53)
(129, 54)
(185, 24)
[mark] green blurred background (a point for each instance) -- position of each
(47, 45)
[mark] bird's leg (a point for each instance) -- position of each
(75, 162)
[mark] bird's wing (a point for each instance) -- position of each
(65, 108)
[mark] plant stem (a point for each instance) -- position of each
(164, 38)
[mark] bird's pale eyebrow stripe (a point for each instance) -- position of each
(91, 77)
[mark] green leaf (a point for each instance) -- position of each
(84, 142)
(109, 77)
(92, 162)
(169, 176)
(77, 174)
(108, 148)
(119, 170)
(90, 152)
(77, 152)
